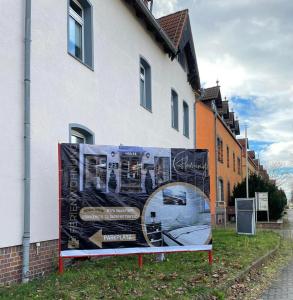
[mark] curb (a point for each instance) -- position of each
(257, 263)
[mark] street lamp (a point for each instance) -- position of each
(246, 159)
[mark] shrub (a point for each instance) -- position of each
(277, 197)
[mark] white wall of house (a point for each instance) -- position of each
(64, 91)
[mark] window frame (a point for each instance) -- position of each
(80, 20)
(185, 119)
(220, 151)
(147, 102)
(238, 165)
(221, 193)
(228, 156)
(86, 21)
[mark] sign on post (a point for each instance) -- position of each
(245, 216)
(262, 202)
(133, 200)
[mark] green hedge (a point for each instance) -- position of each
(277, 197)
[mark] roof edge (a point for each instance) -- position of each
(138, 4)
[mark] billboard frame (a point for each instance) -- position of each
(87, 254)
(257, 205)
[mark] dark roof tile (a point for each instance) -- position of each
(211, 93)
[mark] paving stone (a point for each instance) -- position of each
(282, 287)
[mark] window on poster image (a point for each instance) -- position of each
(80, 31)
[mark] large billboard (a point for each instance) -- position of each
(126, 200)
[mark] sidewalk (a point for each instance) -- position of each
(282, 286)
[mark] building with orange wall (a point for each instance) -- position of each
(252, 162)
(216, 130)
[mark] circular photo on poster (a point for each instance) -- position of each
(177, 214)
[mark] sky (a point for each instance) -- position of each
(248, 46)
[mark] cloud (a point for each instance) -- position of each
(247, 45)
(164, 7)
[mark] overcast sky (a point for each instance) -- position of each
(248, 46)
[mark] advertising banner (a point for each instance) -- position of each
(127, 200)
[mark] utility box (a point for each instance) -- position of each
(245, 216)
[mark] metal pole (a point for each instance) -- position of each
(26, 212)
(258, 165)
(246, 159)
(216, 158)
(256, 205)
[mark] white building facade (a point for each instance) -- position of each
(102, 72)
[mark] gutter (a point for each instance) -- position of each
(149, 16)
(27, 171)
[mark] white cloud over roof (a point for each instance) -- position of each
(247, 45)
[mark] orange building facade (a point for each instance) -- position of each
(214, 133)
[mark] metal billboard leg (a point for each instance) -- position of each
(61, 266)
(210, 257)
(140, 262)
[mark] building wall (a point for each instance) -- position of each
(64, 91)
(228, 174)
(43, 257)
(205, 139)
(11, 122)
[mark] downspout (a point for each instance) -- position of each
(27, 171)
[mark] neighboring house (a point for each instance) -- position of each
(103, 72)
(263, 173)
(252, 166)
(216, 130)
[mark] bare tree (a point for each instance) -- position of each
(282, 172)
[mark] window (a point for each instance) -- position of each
(228, 157)
(220, 190)
(234, 164)
(238, 166)
(79, 134)
(229, 193)
(185, 119)
(145, 84)
(162, 170)
(77, 137)
(80, 31)
(220, 150)
(131, 173)
(174, 109)
(95, 167)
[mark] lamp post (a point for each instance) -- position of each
(246, 160)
